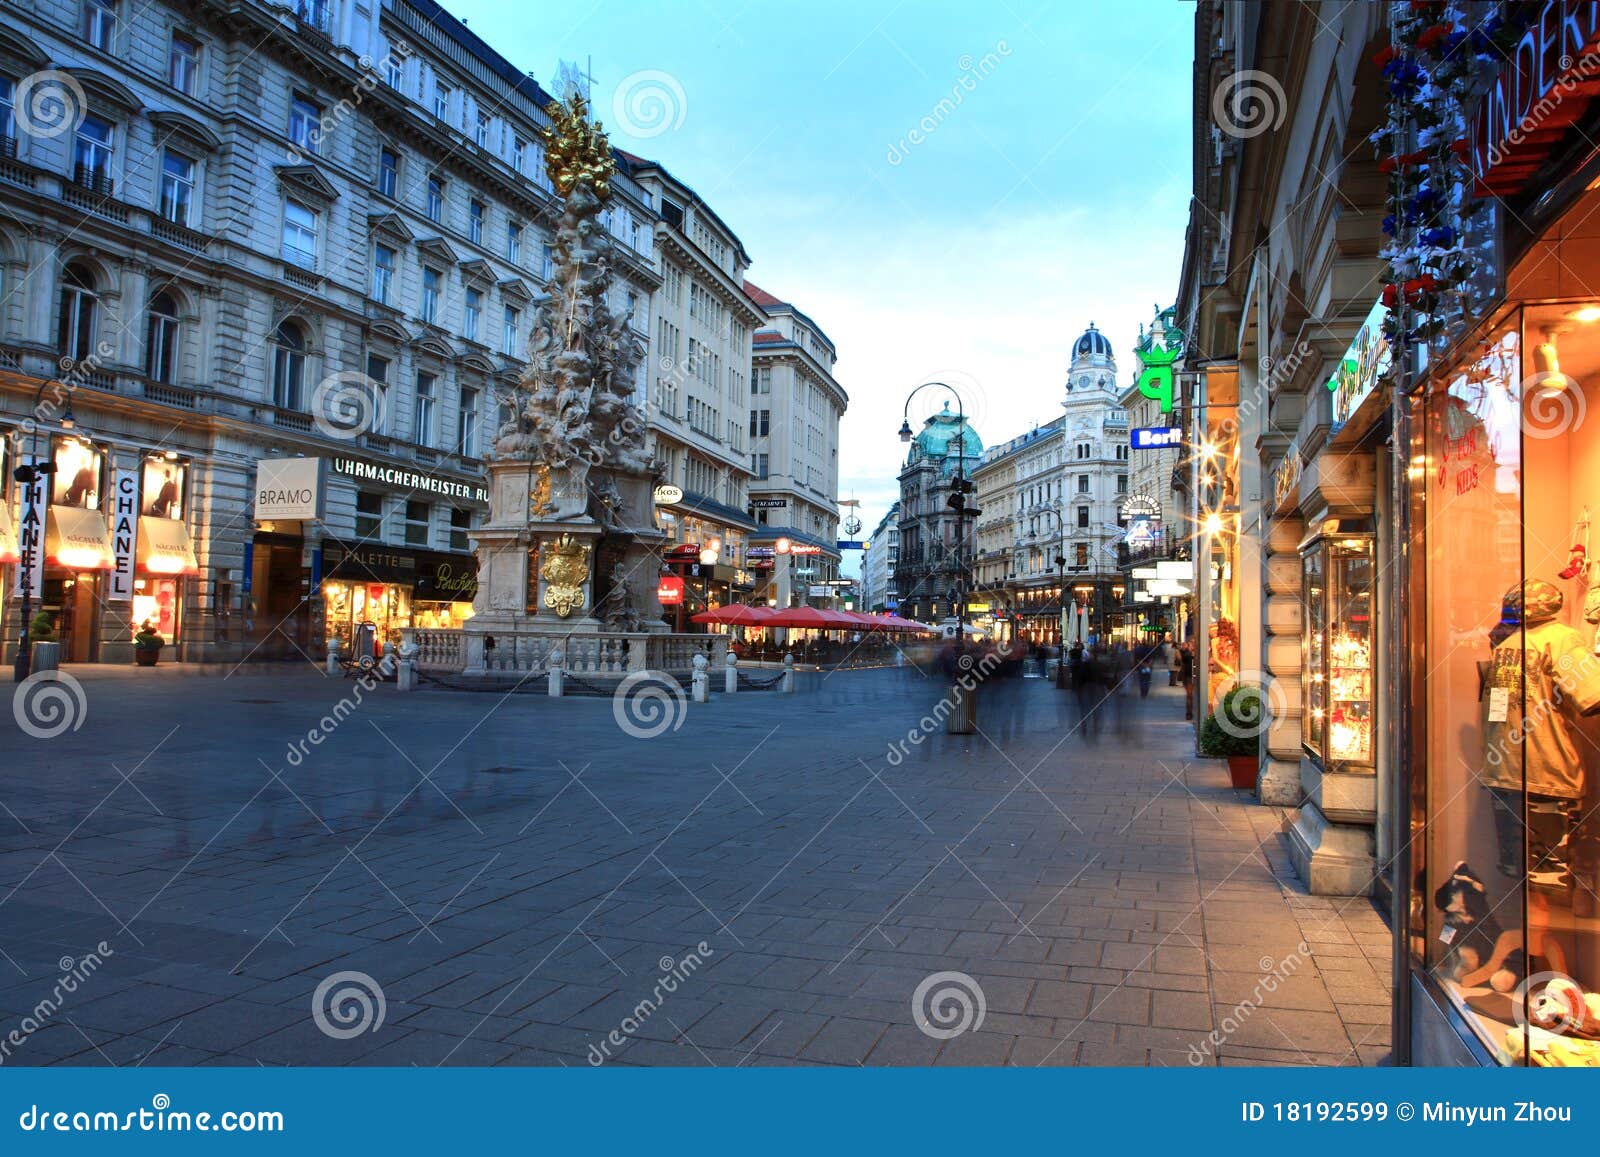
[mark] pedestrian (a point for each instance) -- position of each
(1186, 677)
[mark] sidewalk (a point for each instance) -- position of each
(516, 873)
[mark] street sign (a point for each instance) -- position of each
(1156, 437)
(769, 503)
(847, 544)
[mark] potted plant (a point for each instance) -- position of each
(1232, 732)
(147, 645)
(45, 649)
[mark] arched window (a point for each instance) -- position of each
(289, 367)
(79, 302)
(161, 339)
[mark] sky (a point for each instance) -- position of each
(970, 241)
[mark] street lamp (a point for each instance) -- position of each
(959, 491)
(1061, 581)
(30, 476)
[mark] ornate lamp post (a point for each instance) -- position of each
(1061, 581)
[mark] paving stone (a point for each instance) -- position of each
(1148, 913)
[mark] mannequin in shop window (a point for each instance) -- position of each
(1541, 680)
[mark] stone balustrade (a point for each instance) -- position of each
(583, 653)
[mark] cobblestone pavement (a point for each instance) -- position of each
(769, 883)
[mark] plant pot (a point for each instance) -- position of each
(1243, 769)
(146, 658)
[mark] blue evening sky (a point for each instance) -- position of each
(1051, 191)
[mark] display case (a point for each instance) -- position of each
(1338, 714)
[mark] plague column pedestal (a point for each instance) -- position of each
(542, 551)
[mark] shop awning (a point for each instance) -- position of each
(164, 547)
(8, 535)
(78, 539)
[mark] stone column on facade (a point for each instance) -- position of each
(1279, 783)
(1331, 840)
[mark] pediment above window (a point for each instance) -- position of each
(390, 225)
(440, 248)
(308, 180)
(185, 128)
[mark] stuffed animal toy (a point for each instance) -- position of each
(1562, 1006)
(1471, 932)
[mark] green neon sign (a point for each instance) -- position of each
(1155, 374)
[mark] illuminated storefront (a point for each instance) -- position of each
(391, 589)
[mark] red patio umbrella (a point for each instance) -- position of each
(735, 615)
(809, 617)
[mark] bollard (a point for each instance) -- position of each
(405, 678)
(557, 675)
(730, 674)
(333, 657)
(787, 683)
(700, 682)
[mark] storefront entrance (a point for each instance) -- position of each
(280, 626)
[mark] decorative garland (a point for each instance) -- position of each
(1436, 61)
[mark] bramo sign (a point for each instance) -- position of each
(1544, 87)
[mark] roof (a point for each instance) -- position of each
(1092, 343)
(941, 429)
(636, 164)
(768, 337)
(760, 296)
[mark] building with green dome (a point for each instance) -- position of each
(933, 548)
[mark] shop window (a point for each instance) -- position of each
(78, 306)
(460, 524)
(419, 516)
(1337, 704)
(163, 483)
(289, 367)
(79, 470)
(369, 516)
(161, 339)
(1505, 915)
